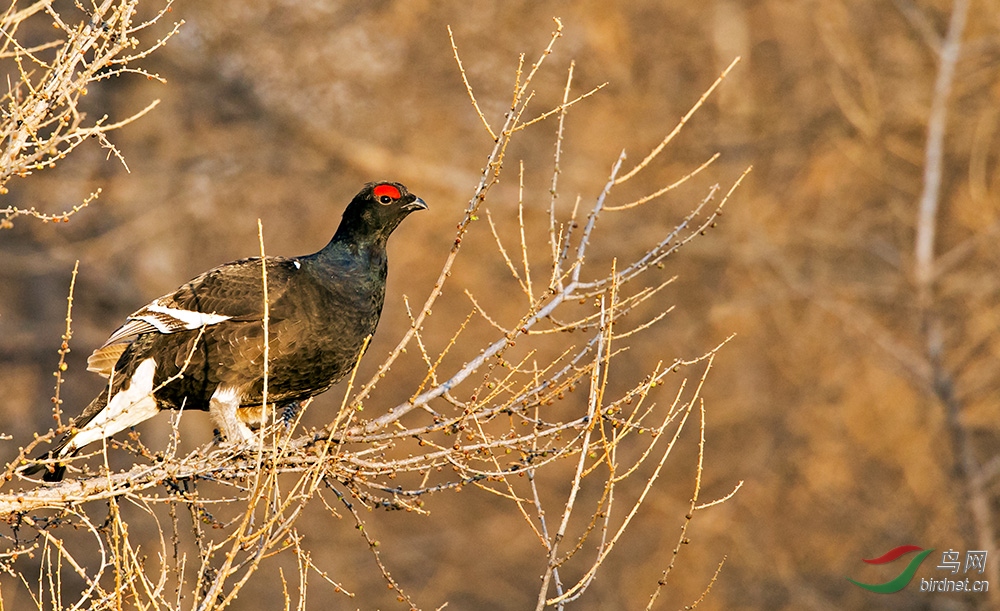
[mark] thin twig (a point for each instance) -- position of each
(680, 125)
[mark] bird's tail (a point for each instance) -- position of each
(51, 471)
(48, 463)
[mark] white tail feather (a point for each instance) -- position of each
(127, 408)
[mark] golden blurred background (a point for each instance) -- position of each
(853, 436)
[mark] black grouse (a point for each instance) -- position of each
(202, 346)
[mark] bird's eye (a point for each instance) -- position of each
(385, 199)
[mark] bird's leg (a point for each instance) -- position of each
(222, 406)
(289, 412)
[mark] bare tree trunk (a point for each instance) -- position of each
(967, 469)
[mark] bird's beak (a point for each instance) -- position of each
(417, 204)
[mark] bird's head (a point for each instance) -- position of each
(378, 209)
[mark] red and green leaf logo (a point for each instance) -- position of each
(900, 581)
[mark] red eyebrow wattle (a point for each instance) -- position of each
(389, 190)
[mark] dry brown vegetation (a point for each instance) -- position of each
(856, 265)
(43, 120)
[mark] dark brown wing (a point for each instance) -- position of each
(233, 291)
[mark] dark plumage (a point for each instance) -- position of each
(202, 346)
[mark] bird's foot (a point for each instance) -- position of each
(289, 413)
(239, 439)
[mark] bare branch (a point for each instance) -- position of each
(680, 125)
